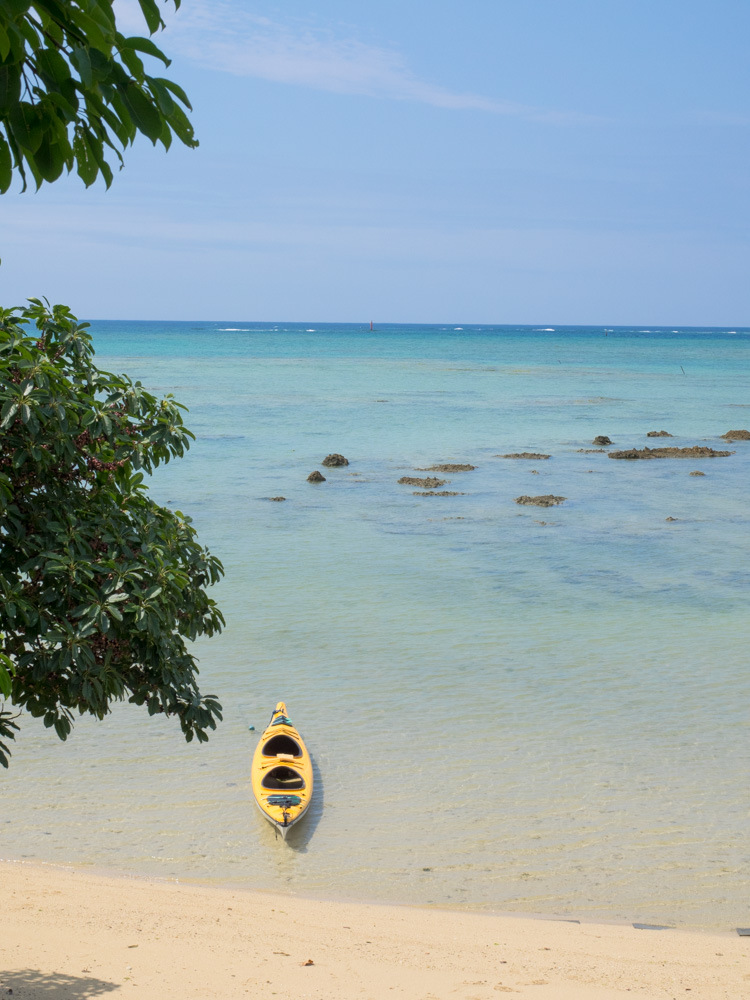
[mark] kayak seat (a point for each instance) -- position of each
(283, 779)
(282, 744)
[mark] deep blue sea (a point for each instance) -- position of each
(523, 709)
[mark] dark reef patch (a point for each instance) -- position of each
(449, 467)
(697, 451)
(430, 483)
(545, 501)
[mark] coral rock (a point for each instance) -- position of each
(546, 501)
(697, 451)
(449, 467)
(430, 483)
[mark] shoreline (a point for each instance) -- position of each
(88, 934)
(324, 897)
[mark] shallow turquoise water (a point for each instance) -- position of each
(516, 708)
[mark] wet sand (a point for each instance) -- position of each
(72, 934)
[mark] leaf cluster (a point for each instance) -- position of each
(101, 589)
(74, 90)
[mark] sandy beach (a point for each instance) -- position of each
(69, 934)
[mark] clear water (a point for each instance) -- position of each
(523, 709)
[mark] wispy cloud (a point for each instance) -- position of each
(224, 36)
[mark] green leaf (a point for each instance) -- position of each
(30, 33)
(50, 158)
(50, 64)
(54, 150)
(10, 86)
(4, 43)
(96, 35)
(87, 167)
(175, 89)
(144, 115)
(147, 46)
(28, 125)
(182, 127)
(103, 68)
(133, 63)
(62, 728)
(14, 8)
(79, 56)
(6, 165)
(162, 96)
(67, 106)
(152, 15)
(6, 683)
(9, 410)
(95, 146)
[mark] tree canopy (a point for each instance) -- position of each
(101, 588)
(74, 90)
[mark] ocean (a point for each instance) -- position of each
(510, 708)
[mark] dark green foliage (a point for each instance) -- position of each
(73, 90)
(100, 588)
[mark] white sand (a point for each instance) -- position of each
(70, 935)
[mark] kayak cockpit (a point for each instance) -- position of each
(282, 744)
(283, 778)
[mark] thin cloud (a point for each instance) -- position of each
(222, 36)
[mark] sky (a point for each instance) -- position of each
(489, 161)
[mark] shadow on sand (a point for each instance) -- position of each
(29, 984)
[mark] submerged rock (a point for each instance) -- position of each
(590, 451)
(449, 467)
(670, 518)
(277, 499)
(335, 460)
(601, 439)
(316, 477)
(524, 454)
(697, 451)
(659, 434)
(439, 493)
(736, 436)
(546, 501)
(430, 483)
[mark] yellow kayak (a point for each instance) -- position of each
(281, 773)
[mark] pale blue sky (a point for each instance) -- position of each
(493, 161)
